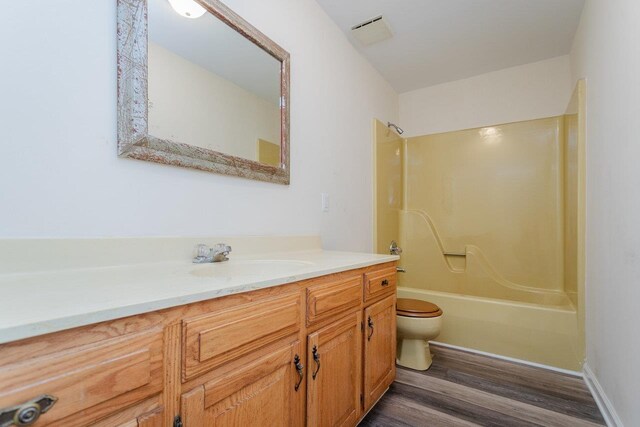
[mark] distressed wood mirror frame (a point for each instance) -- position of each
(134, 140)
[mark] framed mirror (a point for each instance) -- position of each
(200, 87)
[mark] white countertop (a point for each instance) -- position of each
(48, 301)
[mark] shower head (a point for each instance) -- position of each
(398, 129)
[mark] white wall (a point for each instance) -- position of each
(532, 91)
(606, 52)
(59, 173)
(188, 103)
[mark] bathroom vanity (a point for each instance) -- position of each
(273, 348)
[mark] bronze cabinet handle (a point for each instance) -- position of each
(385, 282)
(299, 367)
(316, 358)
(26, 413)
(370, 324)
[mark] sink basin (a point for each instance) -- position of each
(261, 267)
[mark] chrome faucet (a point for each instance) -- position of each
(394, 249)
(217, 253)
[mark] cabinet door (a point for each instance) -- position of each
(126, 418)
(153, 419)
(334, 370)
(263, 393)
(379, 349)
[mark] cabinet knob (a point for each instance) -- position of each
(385, 282)
(26, 413)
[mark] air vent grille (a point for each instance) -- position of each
(370, 21)
(372, 31)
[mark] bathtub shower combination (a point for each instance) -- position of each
(491, 221)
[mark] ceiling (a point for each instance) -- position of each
(437, 41)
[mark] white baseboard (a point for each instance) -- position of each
(510, 359)
(606, 407)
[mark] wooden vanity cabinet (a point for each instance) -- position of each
(243, 365)
(334, 373)
(151, 419)
(319, 352)
(263, 393)
(83, 383)
(379, 283)
(217, 337)
(379, 349)
(353, 357)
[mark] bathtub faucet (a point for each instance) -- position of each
(394, 249)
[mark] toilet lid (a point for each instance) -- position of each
(417, 308)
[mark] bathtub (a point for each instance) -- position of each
(544, 333)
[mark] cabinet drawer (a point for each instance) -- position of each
(88, 382)
(380, 283)
(213, 339)
(328, 299)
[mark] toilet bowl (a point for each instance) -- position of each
(417, 323)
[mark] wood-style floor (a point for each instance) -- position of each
(466, 389)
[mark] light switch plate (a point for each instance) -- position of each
(325, 202)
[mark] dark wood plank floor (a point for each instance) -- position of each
(467, 389)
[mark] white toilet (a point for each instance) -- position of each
(418, 322)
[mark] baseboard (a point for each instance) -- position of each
(606, 407)
(510, 359)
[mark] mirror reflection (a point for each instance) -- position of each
(210, 87)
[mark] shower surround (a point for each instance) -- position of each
(491, 223)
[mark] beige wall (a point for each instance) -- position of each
(60, 174)
(191, 104)
(605, 52)
(532, 91)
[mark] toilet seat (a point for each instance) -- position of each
(416, 308)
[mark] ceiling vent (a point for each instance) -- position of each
(372, 31)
